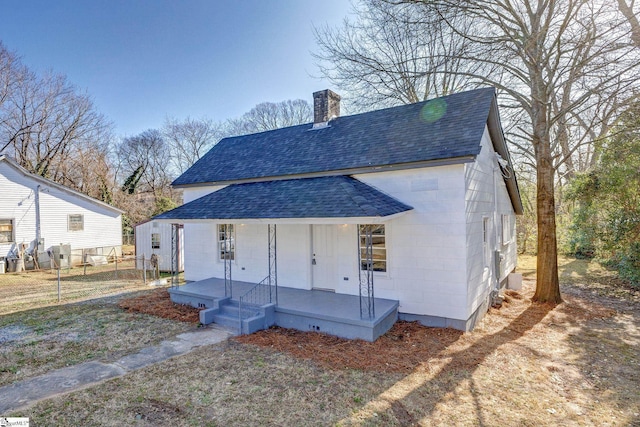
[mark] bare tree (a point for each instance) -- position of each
(10, 70)
(190, 139)
(271, 115)
(558, 61)
(563, 69)
(396, 53)
(45, 123)
(144, 161)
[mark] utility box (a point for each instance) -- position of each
(16, 265)
(44, 260)
(61, 256)
(514, 281)
(3, 265)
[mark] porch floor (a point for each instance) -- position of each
(306, 310)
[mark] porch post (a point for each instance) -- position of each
(227, 255)
(175, 254)
(273, 263)
(365, 270)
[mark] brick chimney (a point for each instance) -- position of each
(326, 106)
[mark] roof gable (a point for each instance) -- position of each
(444, 128)
(44, 181)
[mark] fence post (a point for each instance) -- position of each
(116, 266)
(144, 269)
(59, 290)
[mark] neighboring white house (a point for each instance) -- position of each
(154, 238)
(39, 215)
(432, 182)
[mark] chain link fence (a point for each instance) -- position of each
(129, 239)
(102, 276)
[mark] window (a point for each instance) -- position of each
(226, 244)
(379, 248)
(485, 240)
(155, 240)
(507, 228)
(6, 230)
(76, 223)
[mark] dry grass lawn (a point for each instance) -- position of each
(36, 341)
(526, 364)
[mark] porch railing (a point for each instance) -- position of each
(259, 295)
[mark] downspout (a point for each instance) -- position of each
(497, 255)
(38, 231)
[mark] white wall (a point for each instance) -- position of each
(189, 194)
(426, 246)
(143, 244)
(486, 197)
(251, 262)
(435, 258)
(102, 226)
(200, 255)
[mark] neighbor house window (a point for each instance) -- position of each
(76, 222)
(6, 231)
(379, 246)
(155, 240)
(226, 244)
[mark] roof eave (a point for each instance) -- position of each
(500, 146)
(349, 171)
(290, 221)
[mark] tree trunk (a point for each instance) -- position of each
(627, 11)
(548, 284)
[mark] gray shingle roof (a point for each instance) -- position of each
(443, 128)
(323, 197)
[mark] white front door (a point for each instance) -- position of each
(324, 257)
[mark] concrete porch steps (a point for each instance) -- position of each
(227, 313)
(230, 308)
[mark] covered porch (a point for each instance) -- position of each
(305, 310)
(333, 240)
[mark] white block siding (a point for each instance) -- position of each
(486, 197)
(102, 224)
(435, 256)
(426, 247)
(143, 244)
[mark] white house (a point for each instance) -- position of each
(414, 204)
(155, 238)
(40, 216)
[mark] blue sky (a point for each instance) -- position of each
(144, 60)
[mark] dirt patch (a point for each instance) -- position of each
(13, 333)
(158, 303)
(154, 411)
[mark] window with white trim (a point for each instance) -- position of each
(75, 222)
(155, 240)
(226, 245)
(379, 246)
(6, 231)
(507, 228)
